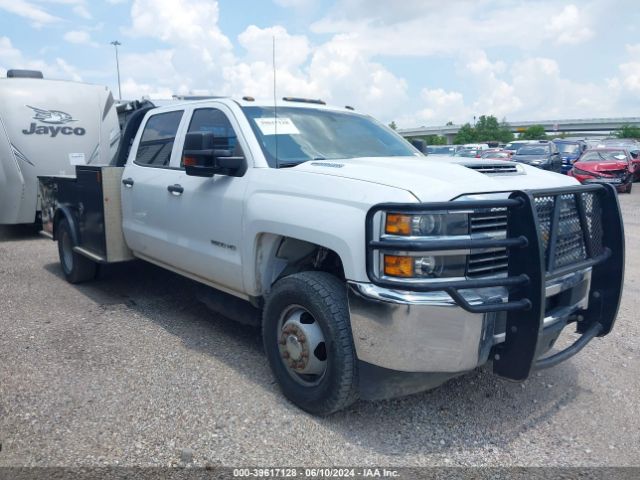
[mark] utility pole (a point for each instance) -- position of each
(116, 43)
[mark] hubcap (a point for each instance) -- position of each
(302, 346)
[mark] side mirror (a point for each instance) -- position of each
(201, 159)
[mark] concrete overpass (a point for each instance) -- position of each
(581, 125)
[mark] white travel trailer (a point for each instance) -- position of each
(47, 127)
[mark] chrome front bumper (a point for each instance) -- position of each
(428, 332)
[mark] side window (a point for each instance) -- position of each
(157, 139)
(214, 121)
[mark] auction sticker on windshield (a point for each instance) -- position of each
(277, 126)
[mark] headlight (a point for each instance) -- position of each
(583, 172)
(421, 266)
(426, 225)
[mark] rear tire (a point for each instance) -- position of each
(76, 268)
(306, 328)
(629, 187)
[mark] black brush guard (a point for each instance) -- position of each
(531, 263)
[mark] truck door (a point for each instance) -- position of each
(206, 215)
(146, 201)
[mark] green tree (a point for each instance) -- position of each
(488, 129)
(449, 123)
(505, 135)
(534, 132)
(393, 125)
(466, 134)
(628, 131)
(435, 140)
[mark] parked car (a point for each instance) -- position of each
(513, 147)
(476, 146)
(570, 151)
(541, 155)
(497, 154)
(629, 144)
(441, 149)
(468, 152)
(605, 165)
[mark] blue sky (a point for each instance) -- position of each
(417, 62)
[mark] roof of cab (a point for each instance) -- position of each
(244, 102)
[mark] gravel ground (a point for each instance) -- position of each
(132, 370)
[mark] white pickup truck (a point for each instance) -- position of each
(373, 270)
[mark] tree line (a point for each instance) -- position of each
(488, 129)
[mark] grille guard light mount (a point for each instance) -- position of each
(531, 263)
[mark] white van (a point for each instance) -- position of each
(47, 127)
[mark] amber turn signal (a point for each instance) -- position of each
(398, 224)
(396, 266)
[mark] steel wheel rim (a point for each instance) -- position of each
(302, 346)
(67, 252)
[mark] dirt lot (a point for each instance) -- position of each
(132, 370)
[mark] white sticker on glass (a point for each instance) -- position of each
(279, 126)
(77, 159)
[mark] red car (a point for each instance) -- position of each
(605, 165)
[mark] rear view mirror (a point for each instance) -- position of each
(201, 158)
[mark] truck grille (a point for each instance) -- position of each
(494, 261)
(575, 240)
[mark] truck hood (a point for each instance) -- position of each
(438, 179)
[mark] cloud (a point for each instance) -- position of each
(32, 12)
(344, 60)
(570, 26)
(295, 3)
(79, 37)
(12, 57)
(423, 28)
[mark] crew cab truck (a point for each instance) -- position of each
(372, 270)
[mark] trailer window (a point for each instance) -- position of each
(215, 121)
(157, 139)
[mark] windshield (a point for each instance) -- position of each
(440, 150)
(570, 148)
(605, 156)
(466, 153)
(514, 145)
(533, 151)
(312, 134)
(496, 155)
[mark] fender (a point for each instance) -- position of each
(64, 211)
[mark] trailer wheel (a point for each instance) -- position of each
(308, 342)
(76, 268)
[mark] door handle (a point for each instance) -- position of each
(127, 182)
(175, 189)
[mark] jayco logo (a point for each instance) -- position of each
(52, 117)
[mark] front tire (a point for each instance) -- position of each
(76, 268)
(307, 338)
